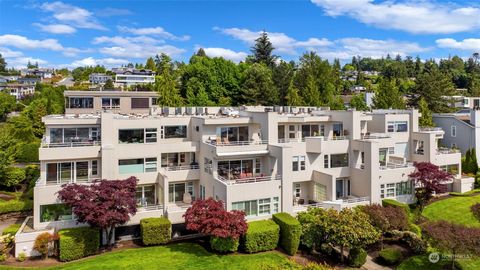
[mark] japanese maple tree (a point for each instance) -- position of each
(209, 217)
(103, 204)
(429, 179)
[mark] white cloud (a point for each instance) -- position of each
(22, 42)
(21, 62)
(72, 15)
(225, 53)
(376, 48)
(469, 44)
(56, 28)
(418, 17)
(90, 61)
(280, 41)
(154, 31)
(135, 47)
(6, 52)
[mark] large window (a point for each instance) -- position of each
(298, 163)
(339, 160)
(397, 126)
(310, 130)
(55, 212)
(259, 207)
(67, 135)
(140, 103)
(68, 172)
(145, 195)
(236, 169)
(249, 207)
(80, 102)
(233, 134)
(175, 132)
(177, 190)
(110, 103)
(138, 165)
(450, 168)
(140, 135)
(338, 129)
(396, 189)
(178, 159)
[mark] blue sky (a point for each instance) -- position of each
(112, 33)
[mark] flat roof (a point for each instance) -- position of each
(110, 93)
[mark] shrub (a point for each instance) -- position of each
(417, 244)
(155, 231)
(28, 152)
(22, 257)
(44, 243)
(261, 235)
(12, 229)
(290, 232)
(414, 228)
(386, 218)
(76, 243)
(224, 245)
(3, 257)
(476, 210)
(13, 176)
(394, 203)
(17, 205)
(357, 257)
(390, 256)
(316, 266)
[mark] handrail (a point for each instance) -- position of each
(302, 207)
(289, 140)
(181, 168)
(396, 166)
(356, 200)
(442, 151)
(71, 144)
(431, 129)
(249, 179)
(150, 208)
(376, 136)
(236, 143)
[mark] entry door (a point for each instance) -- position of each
(175, 192)
(342, 188)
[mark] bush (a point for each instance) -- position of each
(414, 228)
(316, 266)
(3, 257)
(17, 205)
(224, 245)
(44, 243)
(76, 243)
(390, 256)
(394, 203)
(12, 229)
(13, 176)
(28, 152)
(155, 231)
(261, 235)
(290, 232)
(357, 257)
(414, 241)
(22, 257)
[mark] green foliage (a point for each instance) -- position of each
(358, 102)
(469, 162)
(7, 104)
(16, 205)
(3, 257)
(390, 256)
(28, 152)
(12, 229)
(414, 228)
(155, 231)
(261, 235)
(426, 120)
(81, 73)
(76, 243)
(21, 257)
(108, 84)
(316, 266)
(13, 176)
(357, 257)
(394, 203)
(290, 232)
(44, 243)
(293, 97)
(433, 84)
(258, 87)
(262, 51)
(414, 241)
(224, 245)
(388, 95)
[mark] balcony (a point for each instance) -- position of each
(71, 144)
(248, 180)
(146, 212)
(181, 173)
(332, 145)
(304, 207)
(235, 148)
(174, 212)
(446, 151)
(445, 156)
(375, 136)
(76, 150)
(392, 166)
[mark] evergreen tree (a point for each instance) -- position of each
(293, 97)
(150, 64)
(262, 51)
(167, 87)
(311, 94)
(388, 95)
(201, 52)
(3, 64)
(358, 102)
(163, 62)
(258, 87)
(433, 86)
(426, 120)
(283, 75)
(109, 84)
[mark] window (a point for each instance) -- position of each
(81, 173)
(391, 150)
(258, 166)
(295, 163)
(403, 188)
(150, 164)
(131, 135)
(339, 160)
(320, 192)
(337, 129)
(450, 168)
(190, 188)
(110, 103)
(258, 207)
(154, 101)
(264, 206)
(138, 165)
(140, 103)
(55, 212)
(325, 161)
(94, 167)
(396, 189)
(233, 134)
(236, 169)
(202, 192)
(59, 173)
(150, 135)
(249, 207)
(80, 103)
(281, 132)
(397, 126)
(453, 131)
(382, 156)
(418, 147)
(68, 135)
(207, 165)
(322, 130)
(275, 205)
(298, 191)
(298, 163)
(309, 130)
(292, 133)
(145, 195)
(175, 132)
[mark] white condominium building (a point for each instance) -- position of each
(130, 76)
(261, 160)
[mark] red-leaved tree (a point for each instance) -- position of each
(103, 204)
(429, 179)
(209, 217)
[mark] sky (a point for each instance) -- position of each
(113, 33)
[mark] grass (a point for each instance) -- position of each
(422, 262)
(22, 202)
(456, 210)
(179, 256)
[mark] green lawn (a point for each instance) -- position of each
(455, 209)
(180, 256)
(422, 262)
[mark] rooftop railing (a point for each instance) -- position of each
(71, 144)
(376, 136)
(248, 179)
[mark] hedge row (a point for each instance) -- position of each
(12, 229)
(16, 205)
(290, 232)
(357, 257)
(76, 243)
(155, 231)
(261, 235)
(224, 245)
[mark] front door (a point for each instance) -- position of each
(342, 188)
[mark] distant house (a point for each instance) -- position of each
(8, 78)
(26, 80)
(43, 73)
(19, 90)
(357, 89)
(99, 78)
(367, 98)
(463, 102)
(131, 76)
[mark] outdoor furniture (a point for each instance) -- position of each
(187, 198)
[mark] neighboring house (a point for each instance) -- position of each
(9, 78)
(30, 81)
(43, 73)
(357, 89)
(462, 129)
(18, 90)
(99, 78)
(131, 76)
(368, 96)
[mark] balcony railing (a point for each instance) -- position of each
(236, 143)
(304, 207)
(295, 140)
(444, 151)
(249, 179)
(150, 208)
(182, 168)
(391, 166)
(426, 129)
(71, 144)
(375, 136)
(337, 138)
(356, 200)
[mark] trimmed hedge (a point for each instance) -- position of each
(465, 194)
(224, 245)
(76, 243)
(16, 205)
(390, 202)
(261, 235)
(155, 231)
(290, 232)
(12, 229)
(390, 256)
(357, 257)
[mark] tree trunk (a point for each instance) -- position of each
(341, 254)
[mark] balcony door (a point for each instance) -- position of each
(342, 188)
(175, 192)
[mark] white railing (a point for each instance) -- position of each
(71, 144)
(304, 207)
(337, 138)
(60, 182)
(390, 166)
(443, 151)
(289, 140)
(430, 129)
(376, 136)
(249, 179)
(356, 200)
(182, 168)
(236, 143)
(150, 208)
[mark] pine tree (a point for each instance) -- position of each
(167, 87)
(433, 85)
(258, 87)
(426, 120)
(3, 64)
(109, 84)
(262, 51)
(293, 97)
(311, 94)
(388, 95)
(201, 52)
